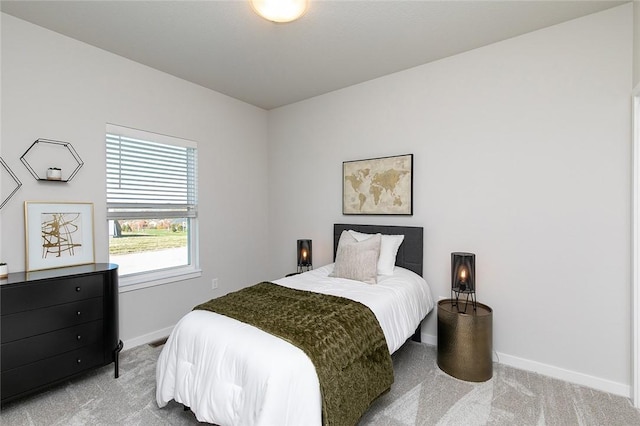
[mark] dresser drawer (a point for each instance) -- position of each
(48, 371)
(26, 351)
(31, 323)
(38, 295)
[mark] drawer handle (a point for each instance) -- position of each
(78, 337)
(78, 313)
(79, 361)
(78, 289)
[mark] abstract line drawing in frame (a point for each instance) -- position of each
(58, 234)
(378, 186)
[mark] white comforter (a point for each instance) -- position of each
(231, 373)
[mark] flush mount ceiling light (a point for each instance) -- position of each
(280, 10)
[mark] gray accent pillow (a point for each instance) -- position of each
(389, 245)
(357, 260)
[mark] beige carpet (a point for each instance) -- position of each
(421, 395)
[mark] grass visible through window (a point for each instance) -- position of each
(147, 240)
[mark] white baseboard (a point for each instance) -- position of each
(551, 371)
(147, 338)
(566, 375)
(429, 339)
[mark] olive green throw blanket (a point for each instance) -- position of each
(341, 337)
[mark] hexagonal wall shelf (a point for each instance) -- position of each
(17, 182)
(45, 154)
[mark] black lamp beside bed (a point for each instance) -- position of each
(463, 278)
(305, 262)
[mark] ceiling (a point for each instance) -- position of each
(224, 46)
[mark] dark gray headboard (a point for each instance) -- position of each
(410, 253)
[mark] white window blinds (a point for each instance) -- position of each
(149, 175)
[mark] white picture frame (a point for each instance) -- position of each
(58, 234)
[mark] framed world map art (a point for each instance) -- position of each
(378, 186)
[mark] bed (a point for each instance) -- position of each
(231, 373)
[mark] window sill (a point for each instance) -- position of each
(152, 279)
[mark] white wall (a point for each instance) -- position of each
(58, 88)
(635, 321)
(522, 156)
(636, 43)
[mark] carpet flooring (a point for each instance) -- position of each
(421, 395)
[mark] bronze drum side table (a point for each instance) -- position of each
(465, 340)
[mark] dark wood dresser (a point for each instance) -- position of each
(56, 324)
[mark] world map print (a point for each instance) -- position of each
(378, 186)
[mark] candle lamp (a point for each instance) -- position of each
(305, 262)
(463, 279)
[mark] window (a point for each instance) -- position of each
(151, 206)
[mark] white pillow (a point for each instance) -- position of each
(388, 250)
(357, 260)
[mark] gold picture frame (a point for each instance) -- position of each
(58, 234)
(378, 186)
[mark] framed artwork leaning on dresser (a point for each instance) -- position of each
(58, 234)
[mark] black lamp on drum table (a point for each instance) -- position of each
(465, 336)
(463, 278)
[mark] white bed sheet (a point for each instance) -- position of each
(231, 373)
